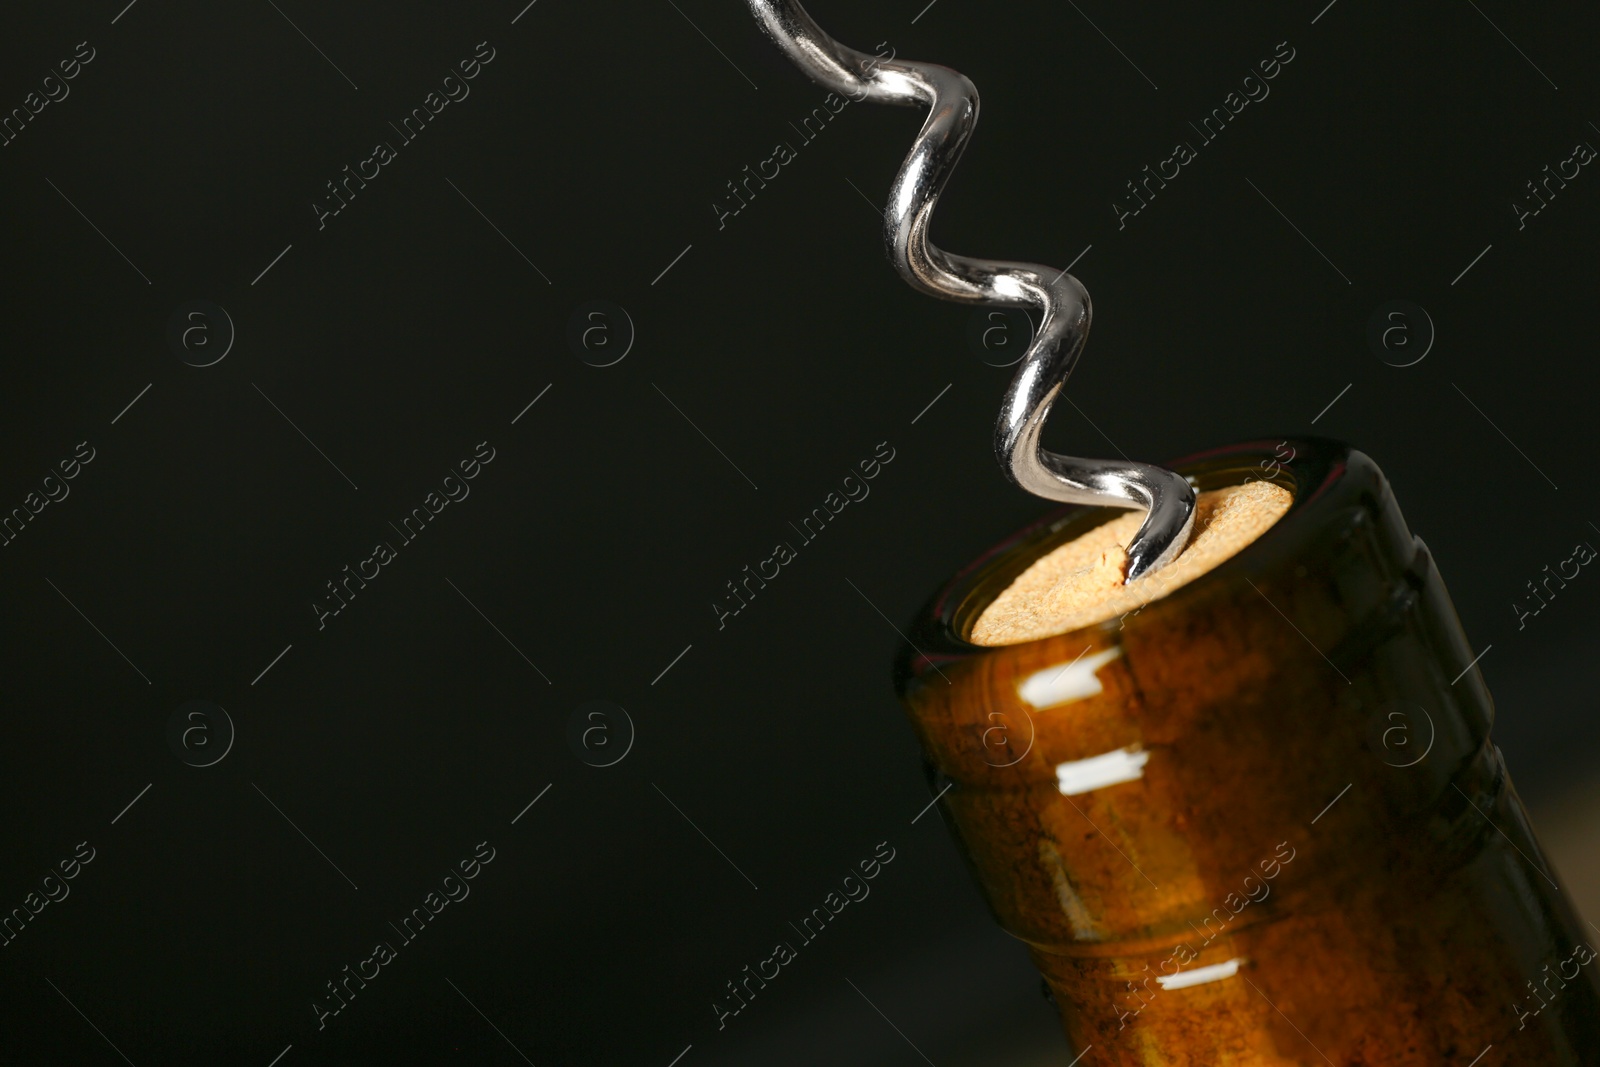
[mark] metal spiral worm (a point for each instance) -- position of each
(952, 103)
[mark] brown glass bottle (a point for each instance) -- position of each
(1278, 833)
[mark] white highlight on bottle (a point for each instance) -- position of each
(1200, 975)
(1097, 772)
(1066, 682)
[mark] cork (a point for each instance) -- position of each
(1082, 582)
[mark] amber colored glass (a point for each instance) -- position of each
(1314, 854)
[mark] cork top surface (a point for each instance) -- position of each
(1081, 582)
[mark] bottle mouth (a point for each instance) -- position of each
(1304, 466)
(1086, 580)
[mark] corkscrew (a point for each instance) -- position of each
(1059, 298)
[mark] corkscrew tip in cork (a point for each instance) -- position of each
(1168, 524)
(1060, 300)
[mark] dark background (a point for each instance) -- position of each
(419, 721)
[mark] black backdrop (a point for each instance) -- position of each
(768, 356)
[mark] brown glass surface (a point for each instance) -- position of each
(1319, 804)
